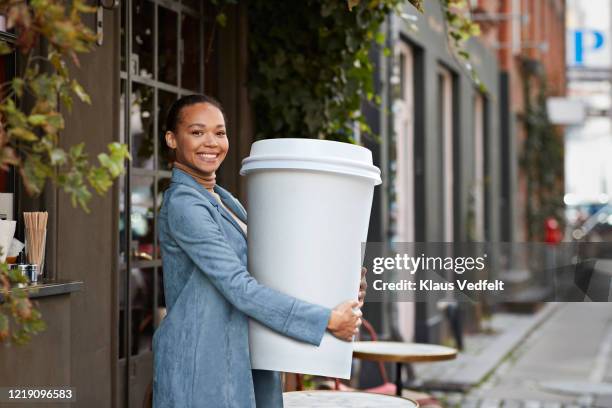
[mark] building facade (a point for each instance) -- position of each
(448, 154)
(439, 155)
(108, 297)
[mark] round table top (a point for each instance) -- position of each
(402, 352)
(343, 399)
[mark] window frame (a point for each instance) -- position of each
(129, 362)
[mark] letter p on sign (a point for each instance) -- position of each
(586, 41)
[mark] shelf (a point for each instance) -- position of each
(51, 288)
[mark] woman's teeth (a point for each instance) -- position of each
(208, 156)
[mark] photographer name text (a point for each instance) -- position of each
(430, 285)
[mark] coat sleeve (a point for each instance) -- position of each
(200, 237)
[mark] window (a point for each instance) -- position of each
(516, 24)
(402, 208)
(403, 178)
(162, 59)
(446, 135)
(479, 168)
(7, 178)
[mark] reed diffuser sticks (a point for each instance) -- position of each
(36, 234)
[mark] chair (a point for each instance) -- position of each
(387, 387)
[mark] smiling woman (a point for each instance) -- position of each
(201, 348)
(203, 144)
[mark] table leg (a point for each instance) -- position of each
(398, 379)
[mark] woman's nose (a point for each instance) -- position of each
(210, 139)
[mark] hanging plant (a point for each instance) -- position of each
(459, 29)
(31, 125)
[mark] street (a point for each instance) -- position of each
(566, 361)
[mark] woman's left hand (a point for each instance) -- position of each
(363, 285)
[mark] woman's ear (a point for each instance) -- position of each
(170, 139)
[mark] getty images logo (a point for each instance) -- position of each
(412, 264)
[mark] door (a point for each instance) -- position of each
(403, 207)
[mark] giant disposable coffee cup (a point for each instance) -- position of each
(309, 205)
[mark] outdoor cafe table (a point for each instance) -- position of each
(399, 353)
(343, 399)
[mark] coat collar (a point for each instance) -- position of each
(179, 176)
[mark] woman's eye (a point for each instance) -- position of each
(197, 133)
(221, 134)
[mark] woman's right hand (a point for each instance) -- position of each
(344, 322)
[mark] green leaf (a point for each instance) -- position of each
(380, 38)
(100, 179)
(14, 116)
(221, 19)
(57, 156)
(464, 54)
(15, 276)
(37, 119)
(83, 8)
(76, 151)
(58, 63)
(22, 134)
(119, 151)
(17, 85)
(418, 4)
(43, 87)
(5, 48)
(34, 172)
(80, 92)
(55, 122)
(352, 3)
(114, 165)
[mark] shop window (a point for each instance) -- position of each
(478, 189)
(7, 178)
(402, 199)
(162, 49)
(446, 130)
(403, 154)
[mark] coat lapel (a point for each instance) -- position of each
(231, 219)
(179, 176)
(231, 203)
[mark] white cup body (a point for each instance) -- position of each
(305, 229)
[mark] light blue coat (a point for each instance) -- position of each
(201, 348)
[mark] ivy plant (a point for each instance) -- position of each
(32, 122)
(459, 29)
(311, 70)
(542, 158)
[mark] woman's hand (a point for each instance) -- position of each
(363, 285)
(344, 322)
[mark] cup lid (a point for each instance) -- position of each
(311, 154)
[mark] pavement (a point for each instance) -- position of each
(561, 357)
(482, 353)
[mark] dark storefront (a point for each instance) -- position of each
(99, 334)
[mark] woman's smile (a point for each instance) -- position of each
(208, 157)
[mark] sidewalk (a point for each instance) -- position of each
(482, 352)
(564, 362)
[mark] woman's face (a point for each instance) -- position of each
(200, 141)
